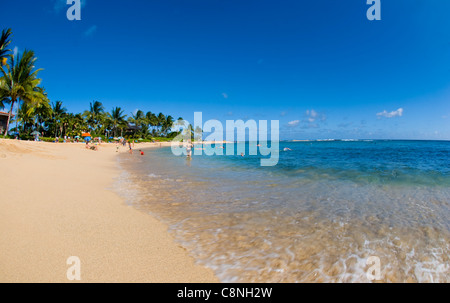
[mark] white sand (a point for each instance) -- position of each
(55, 203)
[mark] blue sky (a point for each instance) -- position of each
(320, 67)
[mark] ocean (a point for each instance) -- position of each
(319, 215)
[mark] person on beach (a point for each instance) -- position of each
(129, 145)
(93, 147)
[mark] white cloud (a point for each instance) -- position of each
(225, 95)
(15, 51)
(294, 123)
(312, 116)
(90, 31)
(312, 119)
(395, 113)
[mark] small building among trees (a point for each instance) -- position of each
(3, 121)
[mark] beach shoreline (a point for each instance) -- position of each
(56, 203)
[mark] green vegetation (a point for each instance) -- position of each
(19, 85)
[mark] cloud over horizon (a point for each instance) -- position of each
(294, 123)
(395, 113)
(313, 116)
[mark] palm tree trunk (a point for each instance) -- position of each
(9, 118)
(56, 127)
(17, 118)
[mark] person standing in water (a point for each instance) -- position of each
(189, 149)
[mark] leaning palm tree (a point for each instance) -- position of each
(19, 82)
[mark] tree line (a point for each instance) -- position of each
(20, 86)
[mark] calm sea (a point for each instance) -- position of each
(317, 216)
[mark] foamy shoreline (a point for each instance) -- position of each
(55, 204)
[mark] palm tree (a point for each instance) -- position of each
(160, 121)
(74, 124)
(42, 111)
(58, 113)
(25, 116)
(4, 42)
(94, 114)
(117, 119)
(139, 120)
(20, 82)
(33, 114)
(198, 134)
(152, 121)
(167, 124)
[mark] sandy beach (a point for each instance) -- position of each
(56, 202)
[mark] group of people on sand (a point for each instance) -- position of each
(91, 147)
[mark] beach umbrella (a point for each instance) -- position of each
(77, 137)
(35, 133)
(85, 134)
(88, 138)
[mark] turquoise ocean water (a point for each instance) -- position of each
(317, 216)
